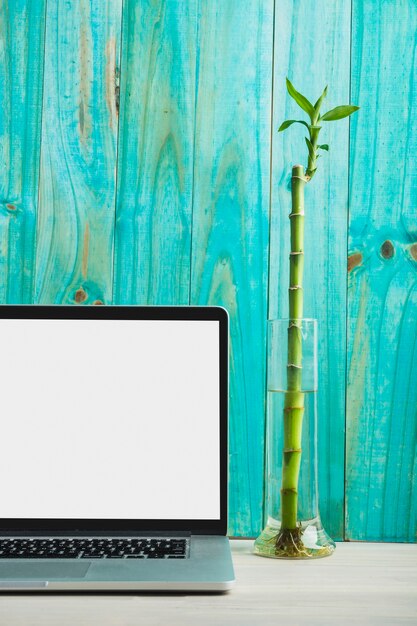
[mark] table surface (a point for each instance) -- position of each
(361, 583)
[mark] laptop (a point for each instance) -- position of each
(113, 464)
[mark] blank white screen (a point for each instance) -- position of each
(109, 419)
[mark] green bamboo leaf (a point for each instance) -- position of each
(338, 113)
(288, 123)
(301, 100)
(320, 100)
(324, 146)
(310, 147)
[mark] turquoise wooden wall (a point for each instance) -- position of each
(140, 163)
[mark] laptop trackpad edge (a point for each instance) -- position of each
(42, 571)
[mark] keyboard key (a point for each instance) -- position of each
(90, 556)
(135, 556)
(175, 556)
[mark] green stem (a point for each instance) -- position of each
(312, 154)
(294, 397)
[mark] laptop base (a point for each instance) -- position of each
(208, 568)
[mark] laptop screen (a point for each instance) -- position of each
(109, 419)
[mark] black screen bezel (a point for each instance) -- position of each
(129, 312)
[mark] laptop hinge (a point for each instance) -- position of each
(93, 533)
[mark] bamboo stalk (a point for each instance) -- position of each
(288, 541)
(294, 397)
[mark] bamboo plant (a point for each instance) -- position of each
(288, 541)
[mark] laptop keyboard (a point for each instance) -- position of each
(93, 548)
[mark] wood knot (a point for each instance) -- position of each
(117, 98)
(80, 296)
(387, 249)
(354, 260)
(98, 302)
(11, 207)
(413, 251)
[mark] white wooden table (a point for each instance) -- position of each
(362, 583)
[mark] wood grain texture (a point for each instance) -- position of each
(192, 223)
(326, 199)
(22, 26)
(230, 222)
(78, 153)
(156, 149)
(381, 489)
(361, 584)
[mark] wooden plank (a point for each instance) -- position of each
(311, 62)
(382, 333)
(78, 153)
(230, 222)
(156, 147)
(22, 26)
(363, 584)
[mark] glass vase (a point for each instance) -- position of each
(293, 528)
